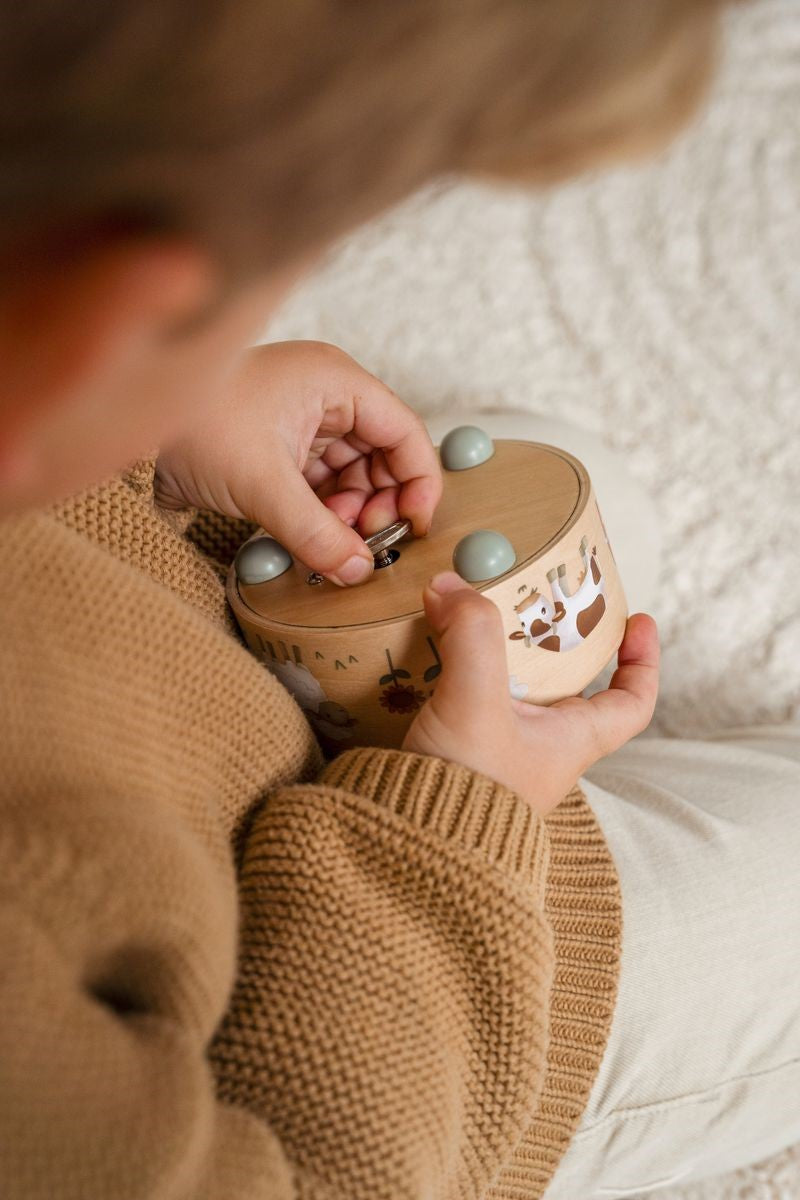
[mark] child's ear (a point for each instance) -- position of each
(81, 311)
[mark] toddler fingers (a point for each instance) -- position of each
(417, 502)
(311, 531)
(382, 420)
(474, 675)
(414, 500)
(347, 505)
(379, 473)
(638, 661)
(625, 709)
(370, 513)
(378, 512)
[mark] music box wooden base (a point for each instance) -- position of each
(519, 519)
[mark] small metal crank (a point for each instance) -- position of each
(379, 544)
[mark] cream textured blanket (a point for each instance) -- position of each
(658, 306)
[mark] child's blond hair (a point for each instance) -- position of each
(262, 127)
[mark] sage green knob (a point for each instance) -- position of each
(464, 447)
(483, 555)
(261, 559)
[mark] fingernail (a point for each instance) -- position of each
(447, 581)
(355, 570)
(420, 527)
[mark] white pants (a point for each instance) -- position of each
(702, 1071)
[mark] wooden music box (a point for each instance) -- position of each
(518, 520)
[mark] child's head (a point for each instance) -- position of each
(169, 168)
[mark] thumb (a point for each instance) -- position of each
(470, 629)
(313, 533)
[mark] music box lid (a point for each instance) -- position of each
(528, 492)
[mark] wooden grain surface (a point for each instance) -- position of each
(529, 492)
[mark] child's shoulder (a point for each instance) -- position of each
(101, 596)
(122, 521)
(113, 621)
(97, 654)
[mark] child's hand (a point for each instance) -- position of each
(538, 752)
(304, 418)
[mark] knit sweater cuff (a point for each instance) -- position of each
(458, 805)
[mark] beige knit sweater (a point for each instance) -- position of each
(230, 971)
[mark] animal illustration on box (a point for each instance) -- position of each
(563, 621)
(330, 719)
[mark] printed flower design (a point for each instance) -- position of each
(401, 698)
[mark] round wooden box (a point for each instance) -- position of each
(361, 661)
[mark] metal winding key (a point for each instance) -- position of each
(379, 545)
(380, 542)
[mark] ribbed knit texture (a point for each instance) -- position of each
(231, 971)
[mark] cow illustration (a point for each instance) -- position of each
(562, 622)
